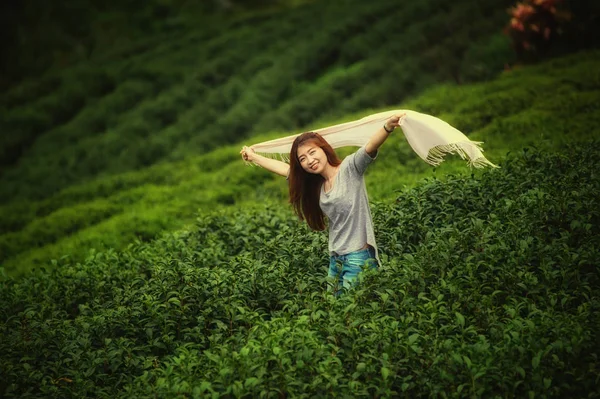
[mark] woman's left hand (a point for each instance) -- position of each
(394, 121)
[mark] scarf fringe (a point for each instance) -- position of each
(481, 162)
(435, 156)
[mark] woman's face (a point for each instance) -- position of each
(312, 158)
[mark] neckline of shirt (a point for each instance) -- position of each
(334, 182)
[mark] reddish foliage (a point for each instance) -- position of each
(535, 24)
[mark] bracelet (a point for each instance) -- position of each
(385, 128)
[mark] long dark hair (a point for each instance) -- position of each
(305, 188)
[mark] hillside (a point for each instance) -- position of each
(140, 257)
(548, 106)
(273, 71)
(142, 135)
(490, 288)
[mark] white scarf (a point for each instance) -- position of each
(430, 137)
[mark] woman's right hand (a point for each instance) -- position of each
(272, 165)
(247, 153)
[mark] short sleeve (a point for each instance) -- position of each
(361, 159)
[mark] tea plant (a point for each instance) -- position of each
(489, 288)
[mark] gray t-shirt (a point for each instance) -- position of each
(346, 206)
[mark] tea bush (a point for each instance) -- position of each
(64, 221)
(489, 288)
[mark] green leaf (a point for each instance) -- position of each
(251, 382)
(460, 318)
(457, 358)
(205, 385)
(349, 308)
(467, 361)
(412, 338)
(385, 373)
(211, 356)
(535, 362)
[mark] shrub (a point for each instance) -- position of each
(62, 223)
(535, 25)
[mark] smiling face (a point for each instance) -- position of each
(312, 158)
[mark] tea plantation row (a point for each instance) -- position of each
(170, 97)
(549, 105)
(489, 288)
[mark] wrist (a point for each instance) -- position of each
(385, 127)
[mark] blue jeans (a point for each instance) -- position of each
(346, 268)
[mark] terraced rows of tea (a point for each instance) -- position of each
(120, 147)
(140, 257)
(548, 106)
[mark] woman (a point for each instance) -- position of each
(321, 185)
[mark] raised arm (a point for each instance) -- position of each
(272, 165)
(382, 134)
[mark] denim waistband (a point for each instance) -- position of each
(369, 249)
